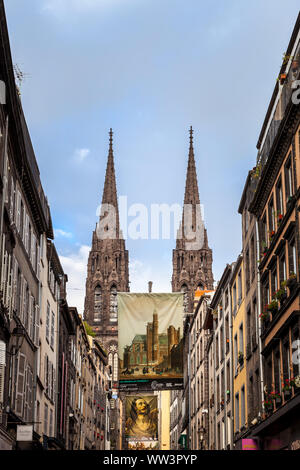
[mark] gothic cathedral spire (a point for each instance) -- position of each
(107, 271)
(110, 185)
(192, 268)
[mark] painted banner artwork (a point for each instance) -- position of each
(141, 418)
(143, 445)
(150, 341)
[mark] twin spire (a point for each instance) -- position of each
(110, 185)
(191, 195)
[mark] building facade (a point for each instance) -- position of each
(275, 205)
(192, 270)
(199, 373)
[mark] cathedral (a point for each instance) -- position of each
(108, 273)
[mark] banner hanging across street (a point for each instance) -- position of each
(141, 420)
(150, 341)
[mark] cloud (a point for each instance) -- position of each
(61, 233)
(61, 7)
(75, 266)
(140, 274)
(81, 154)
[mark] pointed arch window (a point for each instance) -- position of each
(115, 368)
(113, 307)
(184, 289)
(98, 304)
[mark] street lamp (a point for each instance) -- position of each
(17, 337)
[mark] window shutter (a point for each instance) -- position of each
(49, 379)
(2, 370)
(27, 233)
(30, 395)
(12, 194)
(8, 293)
(38, 262)
(20, 384)
(21, 298)
(25, 305)
(18, 211)
(37, 326)
(46, 374)
(31, 317)
(4, 262)
(14, 286)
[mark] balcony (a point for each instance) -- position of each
(285, 98)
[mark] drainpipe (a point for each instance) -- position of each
(258, 320)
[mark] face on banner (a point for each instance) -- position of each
(141, 418)
(150, 340)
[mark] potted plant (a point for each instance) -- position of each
(265, 316)
(291, 281)
(273, 306)
(276, 396)
(281, 295)
(271, 234)
(282, 78)
(268, 405)
(241, 358)
(287, 388)
(279, 218)
(264, 249)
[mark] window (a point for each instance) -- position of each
(52, 329)
(184, 289)
(241, 338)
(98, 304)
(271, 216)
(240, 283)
(227, 339)
(265, 294)
(277, 371)
(286, 358)
(48, 322)
(46, 419)
(2, 369)
(292, 256)
(115, 371)
(288, 179)
(228, 380)
(235, 353)
(51, 423)
(113, 309)
(237, 413)
(274, 280)
(243, 418)
(279, 199)
(253, 258)
(234, 299)
(282, 267)
(217, 350)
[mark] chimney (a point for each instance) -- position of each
(150, 283)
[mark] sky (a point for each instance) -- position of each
(149, 69)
